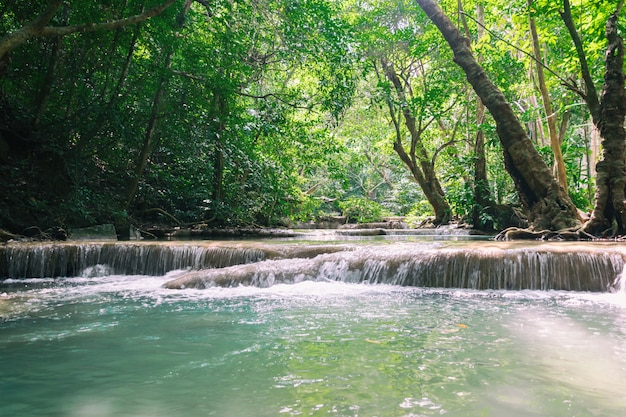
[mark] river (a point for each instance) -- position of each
(100, 343)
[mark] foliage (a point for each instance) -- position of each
(361, 210)
(419, 213)
(270, 110)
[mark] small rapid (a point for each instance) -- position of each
(71, 259)
(121, 345)
(488, 267)
(471, 265)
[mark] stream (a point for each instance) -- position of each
(106, 333)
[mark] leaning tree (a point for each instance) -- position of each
(545, 201)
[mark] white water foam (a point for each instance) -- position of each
(620, 283)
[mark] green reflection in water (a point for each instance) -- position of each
(122, 346)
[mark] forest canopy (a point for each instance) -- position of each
(276, 113)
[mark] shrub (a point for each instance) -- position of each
(361, 210)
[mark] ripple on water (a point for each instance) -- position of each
(121, 345)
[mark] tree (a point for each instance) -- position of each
(211, 120)
(420, 163)
(553, 132)
(232, 116)
(608, 113)
(148, 136)
(38, 27)
(412, 84)
(548, 205)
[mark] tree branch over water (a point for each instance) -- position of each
(591, 94)
(566, 83)
(38, 27)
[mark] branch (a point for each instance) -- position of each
(441, 148)
(378, 170)
(566, 83)
(275, 96)
(591, 95)
(30, 30)
(241, 93)
(115, 24)
(451, 142)
(189, 75)
(397, 143)
(205, 3)
(163, 212)
(37, 28)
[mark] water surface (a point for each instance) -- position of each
(122, 345)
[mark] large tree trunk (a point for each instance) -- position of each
(609, 214)
(547, 204)
(417, 159)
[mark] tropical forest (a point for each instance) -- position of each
(499, 115)
(348, 208)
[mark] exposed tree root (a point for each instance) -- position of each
(53, 233)
(163, 212)
(146, 234)
(34, 233)
(572, 234)
(5, 236)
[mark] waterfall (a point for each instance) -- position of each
(508, 269)
(474, 265)
(620, 282)
(67, 260)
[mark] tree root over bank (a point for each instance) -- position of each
(5, 236)
(571, 234)
(34, 233)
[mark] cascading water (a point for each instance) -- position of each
(71, 259)
(294, 329)
(491, 268)
(619, 285)
(484, 265)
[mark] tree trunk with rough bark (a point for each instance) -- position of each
(417, 159)
(547, 204)
(609, 213)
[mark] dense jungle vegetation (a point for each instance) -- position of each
(273, 112)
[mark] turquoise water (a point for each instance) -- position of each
(124, 346)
